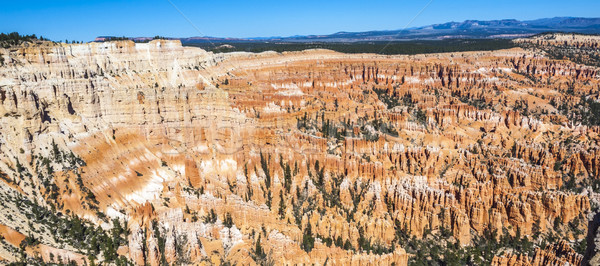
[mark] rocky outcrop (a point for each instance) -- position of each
(555, 254)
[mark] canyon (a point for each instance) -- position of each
(154, 153)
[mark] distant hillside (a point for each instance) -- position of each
(469, 29)
(475, 29)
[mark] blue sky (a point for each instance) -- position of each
(84, 20)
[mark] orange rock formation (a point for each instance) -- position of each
(204, 155)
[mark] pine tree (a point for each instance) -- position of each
(259, 253)
(296, 168)
(288, 178)
(282, 206)
(308, 241)
(265, 166)
(228, 221)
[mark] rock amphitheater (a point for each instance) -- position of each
(182, 156)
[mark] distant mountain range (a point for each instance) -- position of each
(469, 29)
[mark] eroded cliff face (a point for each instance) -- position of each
(183, 156)
(575, 47)
(555, 254)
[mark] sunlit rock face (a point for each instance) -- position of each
(303, 157)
